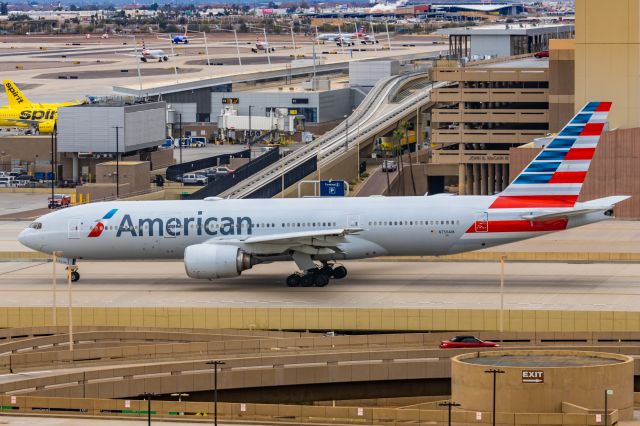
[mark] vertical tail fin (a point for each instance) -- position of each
(555, 177)
(15, 95)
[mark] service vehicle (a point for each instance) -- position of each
(194, 179)
(59, 201)
(389, 166)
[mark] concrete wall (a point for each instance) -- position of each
(368, 73)
(134, 173)
(499, 45)
(579, 385)
(91, 128)
(615, 170)
(608, 58)
(561, 83)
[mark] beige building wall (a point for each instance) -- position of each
(561, 83)
(608, 58)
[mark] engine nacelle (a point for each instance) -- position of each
(208, 261)
(47, 126)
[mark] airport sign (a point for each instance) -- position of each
(332, 188)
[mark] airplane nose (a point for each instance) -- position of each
(26, 238)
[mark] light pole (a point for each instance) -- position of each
(449, 404)
(117, 161)
(180, 135)
(607, 392)
(53, 156)
(147, 396)
(250, 106)
(215, 388)
(495, 372)
(346, 133)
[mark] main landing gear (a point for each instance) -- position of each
(318, 276)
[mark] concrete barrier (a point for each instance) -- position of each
(279, 414)
(361, 319)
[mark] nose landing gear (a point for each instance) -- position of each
(75, 275)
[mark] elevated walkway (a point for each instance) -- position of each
(379, 111)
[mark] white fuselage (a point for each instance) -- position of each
(396, 226)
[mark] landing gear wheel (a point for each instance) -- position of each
(308, 280)
(339, 272)
(75, 276)
(293, 280)
(320, 279)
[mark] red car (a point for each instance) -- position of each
(466, 342)
(542, 54)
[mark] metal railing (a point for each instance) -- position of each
(225, 182)
(175, 172)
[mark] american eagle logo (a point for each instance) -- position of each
(97, 229)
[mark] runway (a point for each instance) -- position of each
(370, 284)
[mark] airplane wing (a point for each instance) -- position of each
(311, 242)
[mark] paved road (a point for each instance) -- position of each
(370, 284)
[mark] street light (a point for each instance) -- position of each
(250, 106)
(346, 133)
(495, 373)
(449, 404)
(147, 396)
(606, 405)
(235, 36)
(215, 388)
(180, 135)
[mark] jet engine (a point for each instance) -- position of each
(164, 58)
(47, 126)
(209, 261)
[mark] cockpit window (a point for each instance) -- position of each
(36, 225)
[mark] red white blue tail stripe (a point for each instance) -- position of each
(555, 177)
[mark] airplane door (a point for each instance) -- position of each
(74, 229)
(482, 222)
(353, 221)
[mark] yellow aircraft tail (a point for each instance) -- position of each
(15, 95)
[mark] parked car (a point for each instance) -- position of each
(59, 201)
(222, 170)
(389, 166)
(17, 171)
(184, 142)
(198, 141)
(7, 181)
(24, 181)
(541, 54)
(67, 183)
(194, 179)
(466, 342)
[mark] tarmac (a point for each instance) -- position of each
(412, 282)
(99, 64)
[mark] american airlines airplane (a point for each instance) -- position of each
(219, 238)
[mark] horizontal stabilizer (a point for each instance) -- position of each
(585, 208)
